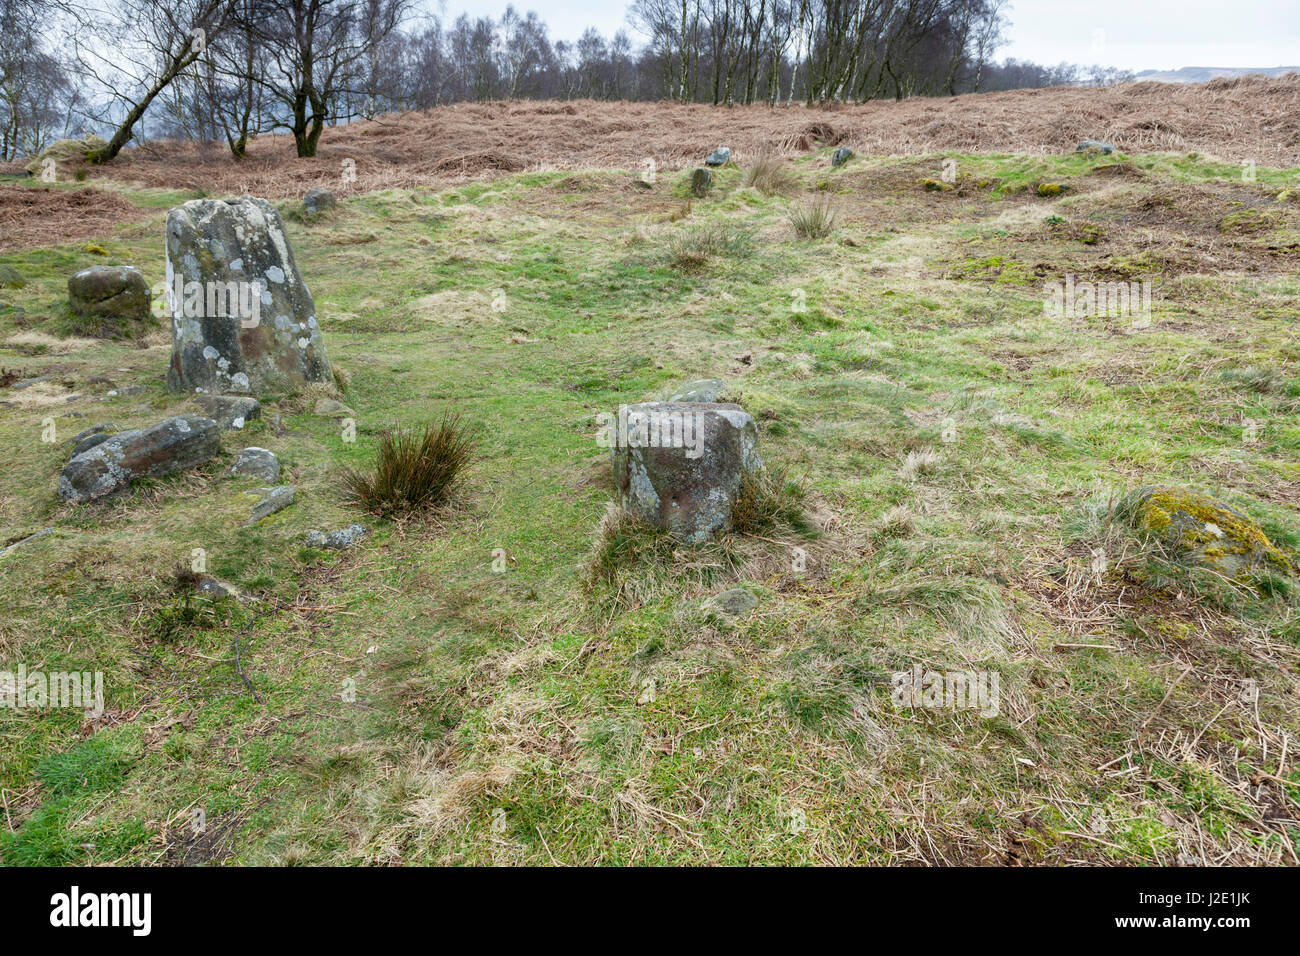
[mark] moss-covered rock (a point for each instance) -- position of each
(66, 151)
(1249, 220)
(10, 278)
(1206, 532)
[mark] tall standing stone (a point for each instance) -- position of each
(701, 180)
(242, 318)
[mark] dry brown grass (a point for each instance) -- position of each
(769, 175)
(36, 343)
(1247, 118)
(42, 217)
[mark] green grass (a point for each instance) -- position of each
(525, 679)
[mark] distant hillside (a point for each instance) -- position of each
(1203, 74)
(1230, 118)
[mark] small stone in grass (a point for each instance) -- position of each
(733, 603)
(337, 540)
(273, 500)
(257, 462)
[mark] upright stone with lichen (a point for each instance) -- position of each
(242, 318)
(680, 465)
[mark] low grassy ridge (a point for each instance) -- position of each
(524, 677)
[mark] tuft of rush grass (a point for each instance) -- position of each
(416, 469)
(692, 249)
(770, 175)
(897, 522)
(814, 218)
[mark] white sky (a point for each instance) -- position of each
(1136, 34)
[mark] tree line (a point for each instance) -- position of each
(228, 70)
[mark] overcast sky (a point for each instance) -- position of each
(1134, 34)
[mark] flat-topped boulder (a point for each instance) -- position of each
(108, 468)
(680, 465)
(338, 540)
(317, 201)
(114, 298)
(243, 320)
(258, 463)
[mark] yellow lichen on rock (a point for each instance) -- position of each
(1208, 532)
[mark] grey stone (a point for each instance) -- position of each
(89, 442)
(230, 411)
(707, 390)
(92, 436)
(219, 588)
(109, 468)
(273, 500)
(1095, 146)
(100, 427)
(274, 344)
(317, 201)
(110, 292)
(257, 462)
(337, 540)
(719, 157)
(680, 465)
(126, 391)
(29, 382)
(701, 180)
(330, 408)
(733, 603)
(841, 156)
